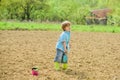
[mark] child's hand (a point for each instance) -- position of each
(66, 51)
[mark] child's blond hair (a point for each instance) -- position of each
(65, 24)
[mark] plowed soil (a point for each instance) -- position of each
(93, 56)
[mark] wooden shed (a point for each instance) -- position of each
(98, 16)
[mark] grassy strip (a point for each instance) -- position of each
(54, 27)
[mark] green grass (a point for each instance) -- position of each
(56, 27)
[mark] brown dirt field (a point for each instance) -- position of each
(93, 56)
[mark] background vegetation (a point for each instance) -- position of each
(56, 10)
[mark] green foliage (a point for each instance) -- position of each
(57, 10)
(21, 9)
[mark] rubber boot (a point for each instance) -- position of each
(57, 66)
(65, 66)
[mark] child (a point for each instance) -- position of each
(62, 46)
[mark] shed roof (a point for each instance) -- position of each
(101, 12)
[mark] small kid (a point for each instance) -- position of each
(62, 47)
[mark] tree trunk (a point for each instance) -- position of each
(28, 12)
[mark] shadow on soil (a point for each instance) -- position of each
(80, 75)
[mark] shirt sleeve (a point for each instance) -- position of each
(63, 38)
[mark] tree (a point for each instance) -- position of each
(28, 6)
(22, 9)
